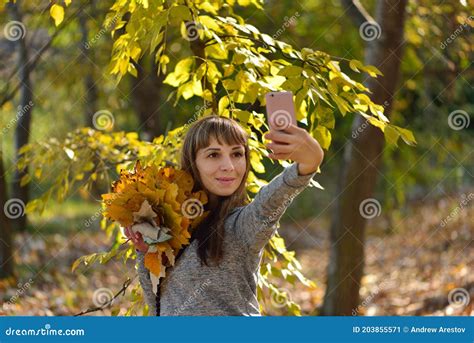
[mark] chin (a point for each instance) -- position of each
(223, 192)
(226, 194)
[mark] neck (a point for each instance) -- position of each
(213, 200)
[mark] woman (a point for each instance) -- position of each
(217, 273)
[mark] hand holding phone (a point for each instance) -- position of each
(288, 141)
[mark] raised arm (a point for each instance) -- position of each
(256, 222)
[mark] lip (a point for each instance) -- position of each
(225, 180)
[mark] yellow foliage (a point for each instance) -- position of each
(165, 189)
(153, 262)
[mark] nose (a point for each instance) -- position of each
(227, 164)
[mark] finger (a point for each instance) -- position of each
(292, 129)
(279, 156)
(134, 234)
(142, 247)
(133, 237)
(127, 232)
(281, 148)
(279, 137)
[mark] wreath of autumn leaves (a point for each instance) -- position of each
(162, 199)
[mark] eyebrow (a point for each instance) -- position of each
(237, 147)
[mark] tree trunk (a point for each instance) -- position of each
(90, 107)
(25, 108)
(359, 173)
(6, 239)
(147, 99)
(92, 96)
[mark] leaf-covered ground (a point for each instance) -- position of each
(412, 264)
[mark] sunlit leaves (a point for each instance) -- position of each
(57, 13)
(371, 70)
(181, 73)
(227, 62)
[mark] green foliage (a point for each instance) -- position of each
(230, 66)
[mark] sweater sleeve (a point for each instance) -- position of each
(256, 222)
(145, 282)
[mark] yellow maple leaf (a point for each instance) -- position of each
(153, 262)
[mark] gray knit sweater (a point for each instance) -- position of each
(230, 289)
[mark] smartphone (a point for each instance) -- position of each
(280, 110)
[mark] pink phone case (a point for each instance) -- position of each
(280, 110)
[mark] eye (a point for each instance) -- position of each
(239, 154)
(212, 155)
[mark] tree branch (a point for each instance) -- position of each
(7, 96)
(108, 303)
(357, 12)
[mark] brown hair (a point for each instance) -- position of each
(210, 232)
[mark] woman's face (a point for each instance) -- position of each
(221, 167)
